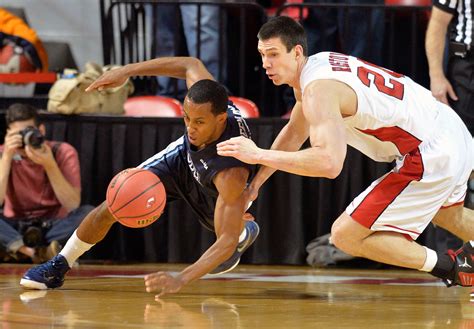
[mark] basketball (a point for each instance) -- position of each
(136, 197)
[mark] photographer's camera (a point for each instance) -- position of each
(32, 136)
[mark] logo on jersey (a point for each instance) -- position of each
(193, 169)
(204, 163)
(243, 129)
(339, 62)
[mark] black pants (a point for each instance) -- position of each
(461, 76)
(12, 230)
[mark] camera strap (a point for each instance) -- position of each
(55, 148)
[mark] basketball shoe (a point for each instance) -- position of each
(463, 266)
(251, 230)
(48, 275)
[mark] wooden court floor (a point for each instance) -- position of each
(96, 296)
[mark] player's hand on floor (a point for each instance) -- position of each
(163, 282)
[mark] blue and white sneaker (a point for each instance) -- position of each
(49, 275)
(252, 230)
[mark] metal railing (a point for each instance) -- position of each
(131, 30)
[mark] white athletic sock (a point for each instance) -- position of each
(243, 235)
(74, 249)
(430, 261)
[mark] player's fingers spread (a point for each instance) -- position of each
(225, 153)
(151, 276)
(227, 147)
(224, 144)
(161, 294)
(228, 142)
(92, 86)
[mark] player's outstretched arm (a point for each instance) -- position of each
(228, 222)
(322, 111)
(290, 139)
(189, 68)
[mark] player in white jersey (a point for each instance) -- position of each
(342, 100)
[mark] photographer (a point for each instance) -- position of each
(40, 188)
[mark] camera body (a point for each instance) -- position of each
(32, 136)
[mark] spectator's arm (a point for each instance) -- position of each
(5, 167)
(13, 141)
(68, 195)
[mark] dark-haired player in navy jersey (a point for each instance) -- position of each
(190, 169)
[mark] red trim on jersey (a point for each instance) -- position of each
(402, 229)
(375, 203)
(455, 204)
(403, 140)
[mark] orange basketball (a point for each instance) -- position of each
(136, 197)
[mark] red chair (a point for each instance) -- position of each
(425, 14)
(153, 106)
(293, 12)
(247, 108)
(287, 115)
(426, 3)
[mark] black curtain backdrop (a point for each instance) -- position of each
(291, 210)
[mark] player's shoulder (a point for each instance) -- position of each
(237, 126)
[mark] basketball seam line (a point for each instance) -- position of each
(151, 211)
(121, 184)
(139, 195)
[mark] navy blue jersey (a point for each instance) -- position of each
(206, 163)
(188, 174)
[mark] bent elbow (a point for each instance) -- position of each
(195, 63)
(74, 204)
(334, 168)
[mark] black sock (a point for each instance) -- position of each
(444, 267)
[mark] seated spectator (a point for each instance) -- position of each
(40, 188)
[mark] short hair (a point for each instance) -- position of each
(209, 91)
(287, 29)
(21, 112)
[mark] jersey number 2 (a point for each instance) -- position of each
(396, 90)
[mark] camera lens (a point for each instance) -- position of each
(33, 237)
(32, 136)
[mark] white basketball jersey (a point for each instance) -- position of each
(394, 114)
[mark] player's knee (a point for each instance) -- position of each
(341, 237)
